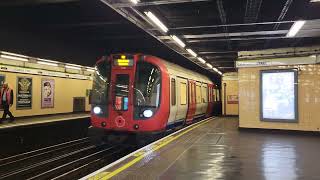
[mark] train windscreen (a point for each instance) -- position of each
(100, 87)
(121, 92)
(146, 90)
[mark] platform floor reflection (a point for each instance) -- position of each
(218, 150)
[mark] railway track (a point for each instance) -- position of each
(70, 160)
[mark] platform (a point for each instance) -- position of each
(38, 120)
(216, 149)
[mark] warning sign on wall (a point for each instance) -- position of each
(232, 99)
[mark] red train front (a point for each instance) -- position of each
(131, 93)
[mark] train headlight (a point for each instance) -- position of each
(97, 110)
(147, 113)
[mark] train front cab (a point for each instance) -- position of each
(126, 94)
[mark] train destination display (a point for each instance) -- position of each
(278, 95)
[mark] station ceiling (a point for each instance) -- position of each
(82, 30)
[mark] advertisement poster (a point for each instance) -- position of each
(47, 93)
(278, 95)
(24, 93)
(233, 99)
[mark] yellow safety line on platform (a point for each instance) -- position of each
(140, 155)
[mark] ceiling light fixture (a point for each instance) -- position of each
(178, 41)
(156, 21)
(314, 1)
(209, 65)
(90, 69)
(13, 54)
(72, 67)
(192, 52)
(215, 69)
(47, 63)
(201, 60)
(14, 58)
(135, 1)
(295, 28)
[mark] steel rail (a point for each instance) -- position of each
(72, 162)
(45, 148)
(40, 154)
(16, 172)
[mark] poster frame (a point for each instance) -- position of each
(295, 71)
(53, 96)
(17, 92)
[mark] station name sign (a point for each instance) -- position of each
(277, 62)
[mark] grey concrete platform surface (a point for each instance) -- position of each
(28, 121)
(218, 150)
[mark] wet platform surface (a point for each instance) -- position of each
(218, 150)
(27, 121)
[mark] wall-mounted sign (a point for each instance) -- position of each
(232, 99)
(278, 95)
(277, 62)
(47, 93)
(24, 93)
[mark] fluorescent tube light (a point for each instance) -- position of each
(90, 69)
(192, 52)
(178, 41)
(156, 21)
(313, 1)
(14, 58)
(46, 60)
(13, 54)
(72, 67)
(201, 60)
(47, 63)
(295, 28)
(135, 1)
(209, 65)
(215, 69)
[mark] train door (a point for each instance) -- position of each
(173, 100)
(198, 99)
(192, 101)
(210, 100)
(182, 99)
(121, 90)
(204, 99)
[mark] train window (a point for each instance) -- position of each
(209, 93)
(101, 78)
(121, 92)
(198, 94)
(183, 93)
(147, 88)
(190, 93)
(204, 94)
(218, 94)
(213, 95)
(173, 92)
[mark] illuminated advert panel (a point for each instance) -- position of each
(279, 95)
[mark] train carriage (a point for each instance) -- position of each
(143, 93)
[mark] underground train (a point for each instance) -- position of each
(141, 93)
